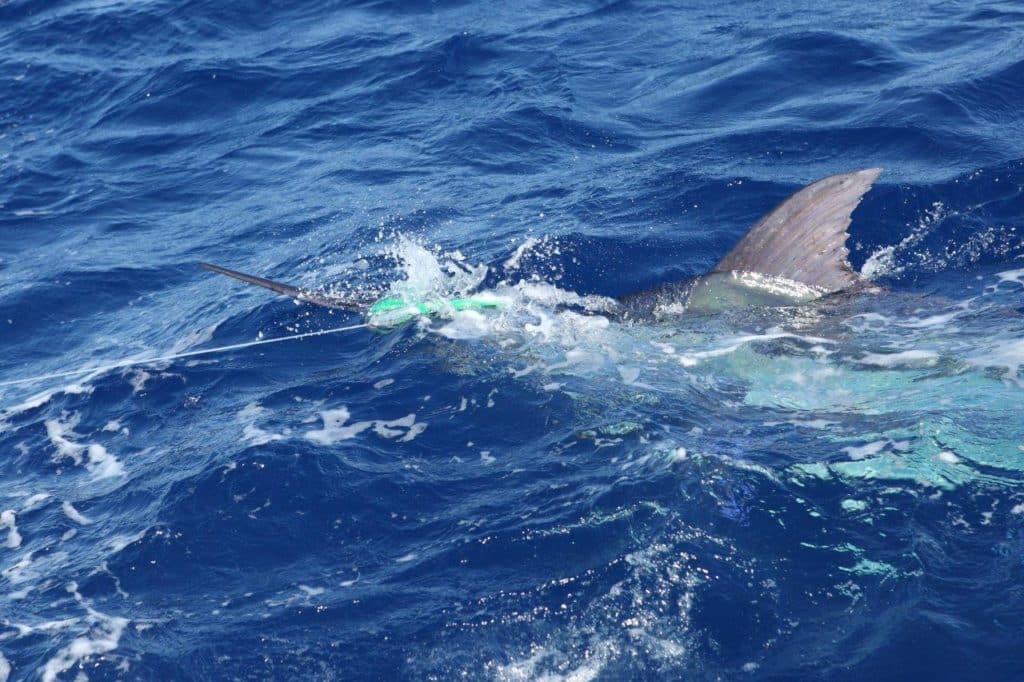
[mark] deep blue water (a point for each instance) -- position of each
(826, 493)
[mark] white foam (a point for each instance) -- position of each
(48, 626)
(18, 595)
(431, 274)
(103, 637)
(527, 669)
(806, 423)
(938, 320)
(580, 361)
(39, 400)
(730, 346)
(881, 263)
(1014, 276)
(21, 571)
(336, 427)
(393, 428)
(7, 520)
(102, 464)
(884, 262)
(866, 450)
(118, 542)
(907, 358)
(94, 456)
(629, 375)
(382, 383)
(852, 505)
(58, 431)
(1006, 356)
(75, 515)
(33, 501)
(252, 434)
(527, 306)
(138, 379)
(5, 669)
(414, 430)
(515, 259)
(466, 325)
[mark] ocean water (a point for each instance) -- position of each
(826, 492)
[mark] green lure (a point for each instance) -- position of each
(395, 310)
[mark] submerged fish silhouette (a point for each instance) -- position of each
(795, 254)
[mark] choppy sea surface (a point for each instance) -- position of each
(826, 492)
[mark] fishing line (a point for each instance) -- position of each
(178, 356)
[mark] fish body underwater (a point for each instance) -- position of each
(795, 254)
(767, 399)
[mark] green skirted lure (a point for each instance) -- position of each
(395, 310)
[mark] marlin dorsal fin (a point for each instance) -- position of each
(804, 238)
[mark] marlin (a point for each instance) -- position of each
(793, 255)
